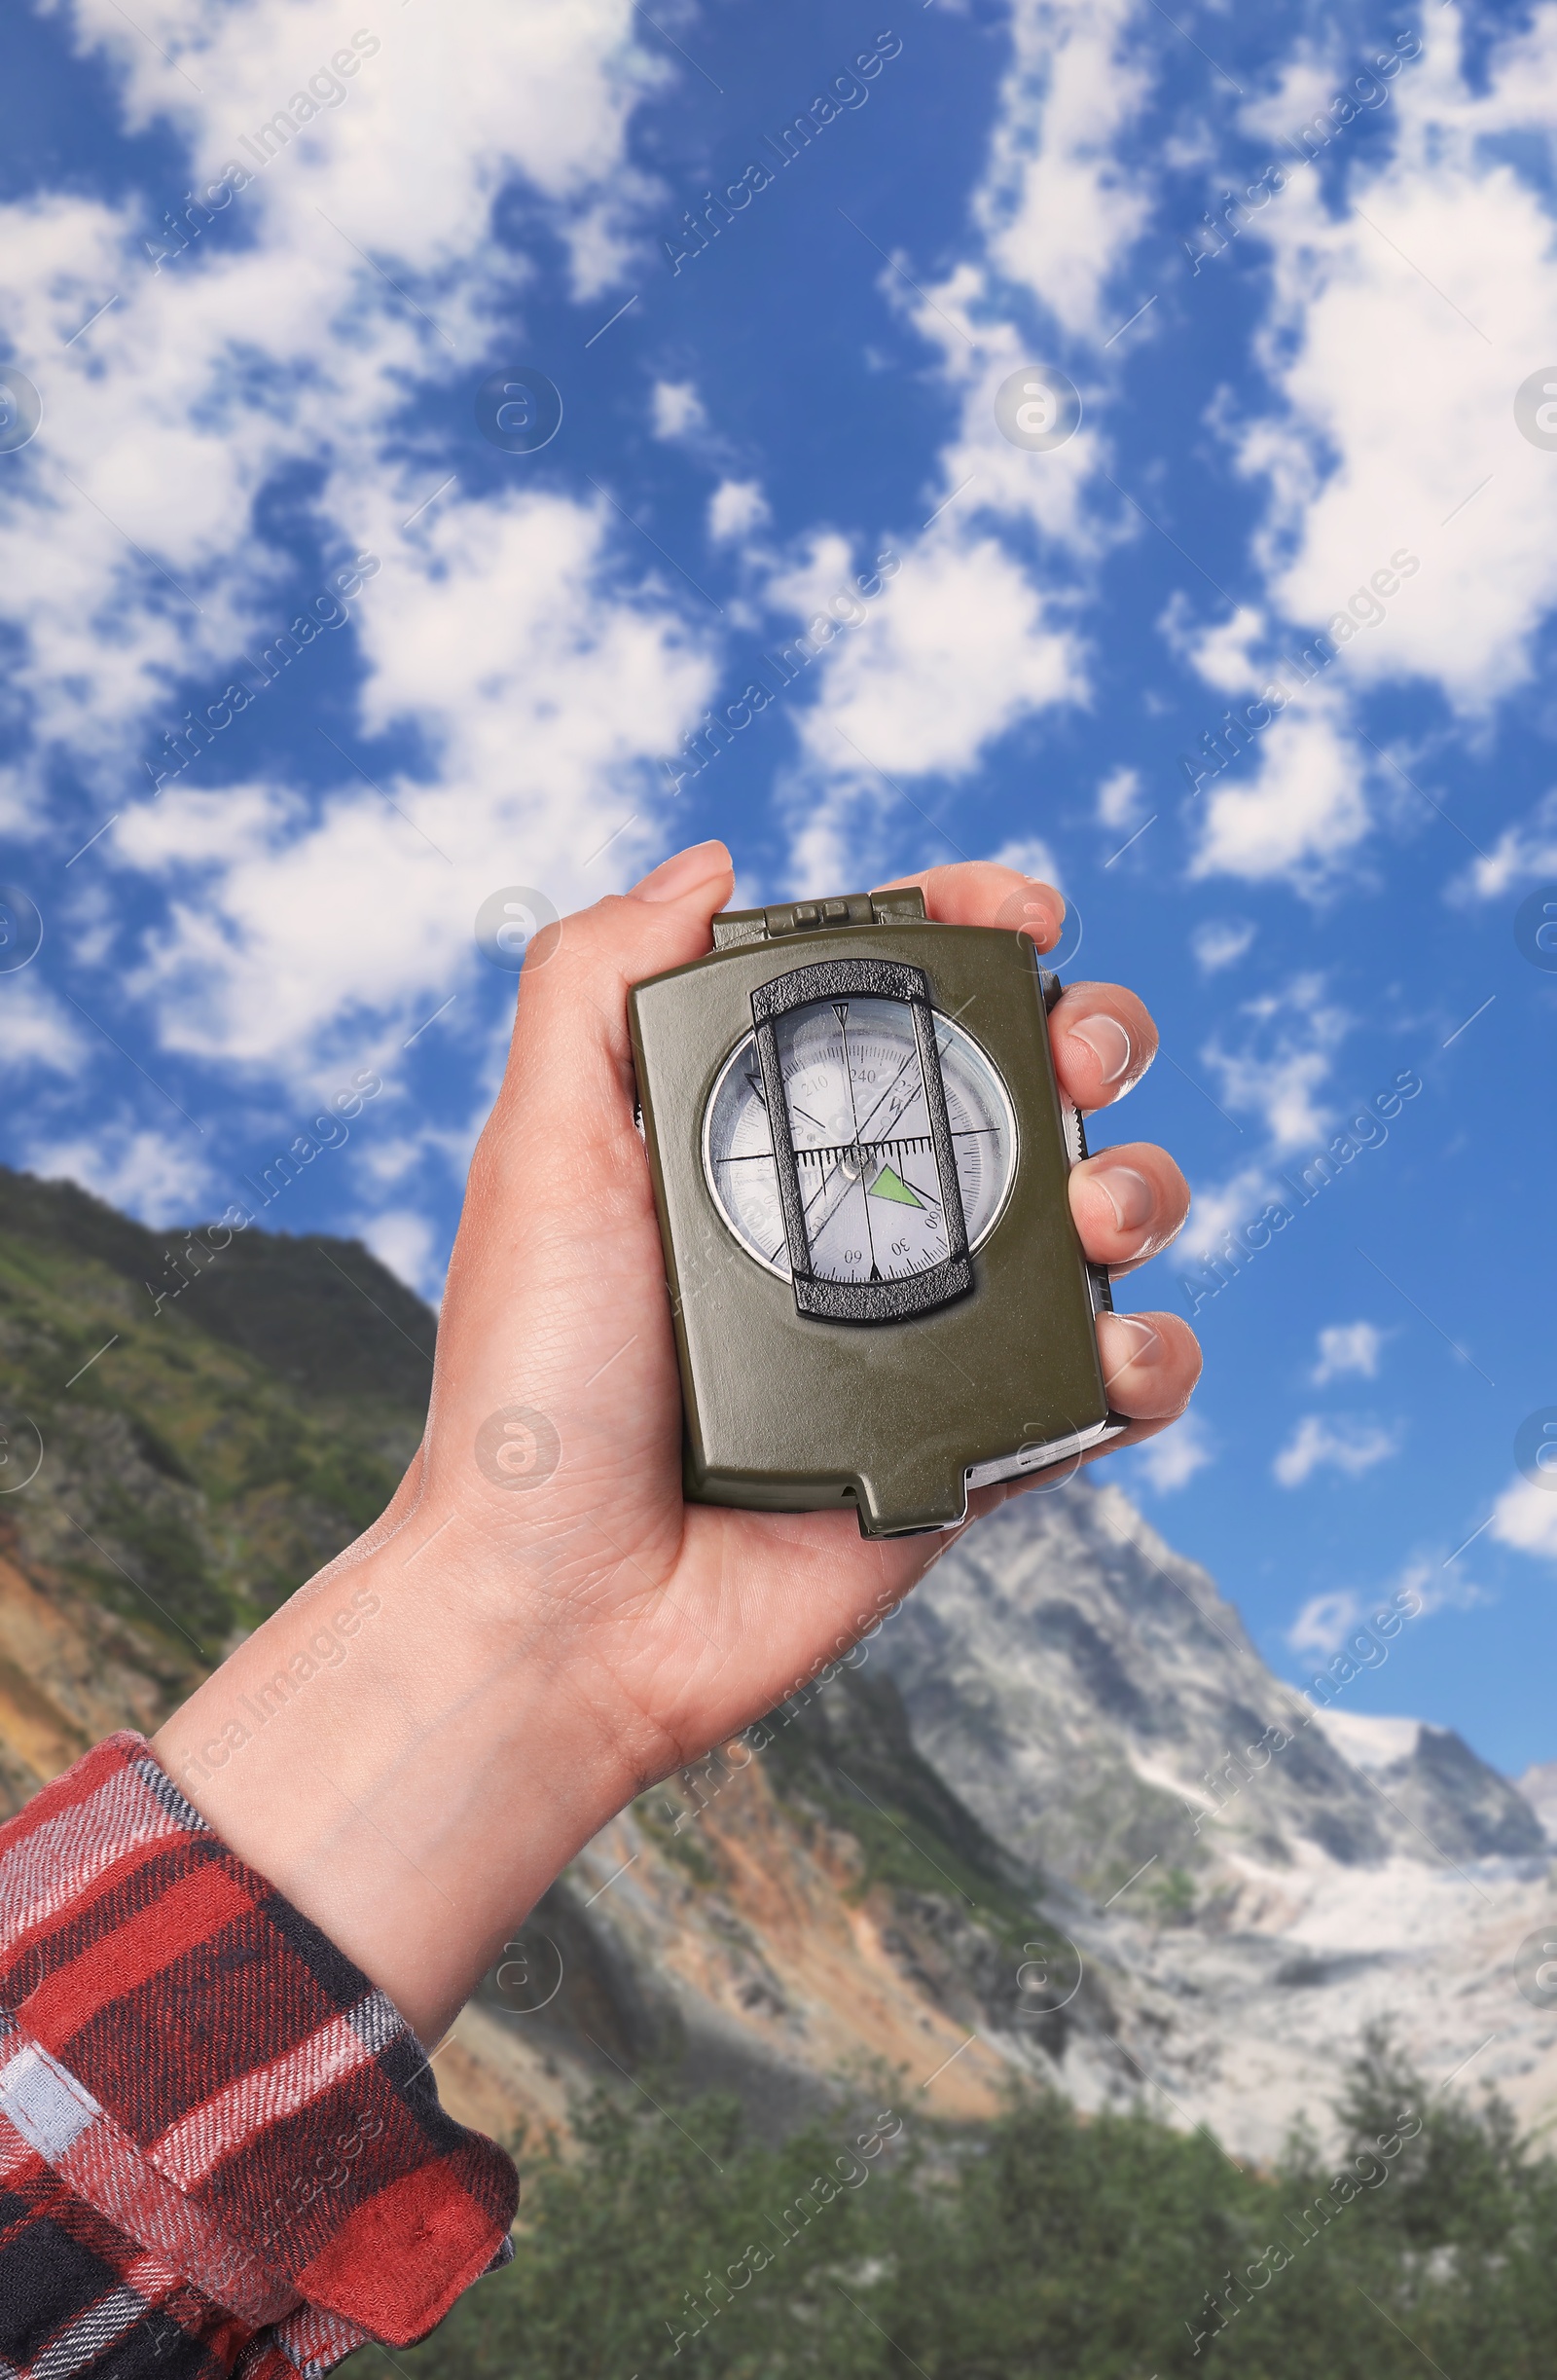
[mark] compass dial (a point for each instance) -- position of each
(861, 1133)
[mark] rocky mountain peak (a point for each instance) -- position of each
(1097, 1703)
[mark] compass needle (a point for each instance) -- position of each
(890, 1185)
(869, 1182)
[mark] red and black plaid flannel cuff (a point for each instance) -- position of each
(221, 2149)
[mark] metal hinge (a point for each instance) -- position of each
(903, 904)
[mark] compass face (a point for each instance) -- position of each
(861, 1133)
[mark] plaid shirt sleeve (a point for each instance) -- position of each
(221, 2150)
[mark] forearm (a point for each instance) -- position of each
(408, 1755)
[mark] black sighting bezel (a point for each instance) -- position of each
(862, 1301)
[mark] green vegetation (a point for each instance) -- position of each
(659, 1821)
(1173, 1895)
(842, 1757)
(217, 1422)
(1044, 2246)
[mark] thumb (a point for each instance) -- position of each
(570, 1035)
(683, 877)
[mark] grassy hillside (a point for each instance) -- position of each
(204, 1447)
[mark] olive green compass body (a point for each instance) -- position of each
(859, 1155)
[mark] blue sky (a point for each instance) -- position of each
(1281, 411)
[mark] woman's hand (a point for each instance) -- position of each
(554, 1629)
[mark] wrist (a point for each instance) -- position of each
(410, 1755)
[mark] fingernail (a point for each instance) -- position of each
(1031, 912)
(683, 872)
(1145, 1345)
(1109, 1042)
(1129, 1194)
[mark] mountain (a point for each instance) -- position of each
(199, 1450)
(770, 1924)
(1538, 1786)
(1457, 1806)
(1091, 1696)
(1254, 1878)
(1056, 1817)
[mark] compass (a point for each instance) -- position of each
(859, 1155)
(858, 1107)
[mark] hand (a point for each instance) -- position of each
(538, 1655)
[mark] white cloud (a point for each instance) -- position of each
(1403, 508)
(678, 411)
(1349, 1445)
(1172, 1461)
(1119, 798)
(1031, 856)
(1293, 810)
(1525, 1516)
(1276, 1071)
(1324, 1623)
(1218, 1207)
(1285, 1058)
(1327, 1621)
(387, 1161)
(1222, 654)
(1220, 942)
(959, 650)
(735, 509)
(36, 1029)
(24, 813)
(155, 1177)
(1301, 84)
(408, 1245)
(229, 361)
(1064, 200)
(543, 684)
(1522, 854)
(530, 641)
(1347, 1347)
(1400, 332)
(978, 640)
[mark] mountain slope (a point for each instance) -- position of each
(1056, 1817)
(199, 1458)
(1257, 1879)
(775, 1922)
(1089, 1694)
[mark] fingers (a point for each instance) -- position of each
(1103, 1037)
(978, 893)
(1150, 1364)
(1128, 1203)
(1104, 1041)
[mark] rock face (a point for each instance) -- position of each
(1538, 1787)
(1253, 1877)
(825, 1908)
(1090, 1695)
(1455, 1805)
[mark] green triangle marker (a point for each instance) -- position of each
(888, 1184)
